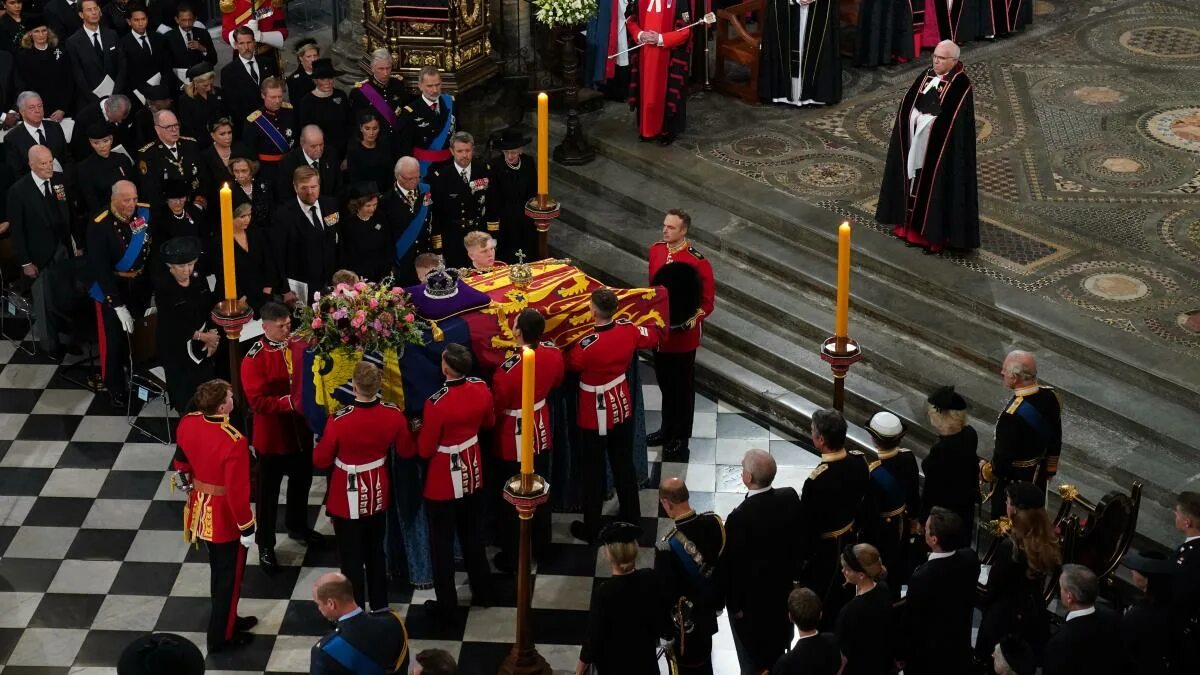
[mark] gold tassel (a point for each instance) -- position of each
(437, 333)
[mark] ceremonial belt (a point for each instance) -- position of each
(378, 103)
(437, 152)
(1026, 463)
(601, 407)
(208, 488)
(893, 513)
(409, 236)
(455, 449)
(517, 427)
(517, 413)
(838, 532)
(352, 471)
(272, 134)
(266, 157)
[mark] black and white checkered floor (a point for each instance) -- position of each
(91, 551)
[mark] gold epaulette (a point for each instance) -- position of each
(147, 146)
(818, 471)
(286, 105)
(408, 108)
(397, 76)
(1012, 409)
(254, 116)
(229, 429)
(143, 205)
(874, 465)
(359, 84)
(102, 216)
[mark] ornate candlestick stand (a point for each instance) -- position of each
(525, 492)
(574, 149)
(840, 353)
(232, 316)
(543, 209)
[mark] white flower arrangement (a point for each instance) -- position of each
(555, 13)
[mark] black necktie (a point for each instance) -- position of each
(316, 164)
(188, 36)
(41, 138)
(46, 191)
(146, 46)
(96, 45)
(174, 153)
(253, 72)
(316, 217)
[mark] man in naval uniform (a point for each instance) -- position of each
(1185, 599)
(686, 564)
(270, 130)
(383, 94)
(362, 643)
(460, 188)
(425, 127)
(1028, 432)
(170, 157)
(829, 501)
(893, 500)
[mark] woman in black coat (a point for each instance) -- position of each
(865, 623)
(369, 158)
(248, 189)
(365, 245)
(216, 158)
(328, 108)
(42, 66)
(626, 615)
(185, 337)
(201, 104)
(952, 466)
(258, 280)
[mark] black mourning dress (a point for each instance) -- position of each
(369, 164)
(623, 625)
(183, 310)
(366, 246)
(254, 266)
(863, 630)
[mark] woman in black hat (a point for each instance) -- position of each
(952, 466)
(97, 172)
(300, 82)
(1146, 627)
(327, 107)
(257, 277)
(185, 336)
(42, 65)
(249, 189)
(201, 104)
(12, 25)
(514, 178)
(178, 216)
(369, 159)
(624, 621)
(366, 242)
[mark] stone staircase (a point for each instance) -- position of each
(1130, 407)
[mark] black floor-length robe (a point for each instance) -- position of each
(885, 32)
(800, 62)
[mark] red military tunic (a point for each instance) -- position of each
(235, 13)
(660, 254)
(449, 438)
(356, 443)
(506, 391)
(655, 60)
(267, 383)
(217, 458)
(601, 359)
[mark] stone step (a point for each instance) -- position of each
(614, 205)
(786, 387)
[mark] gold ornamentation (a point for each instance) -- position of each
(470, 11)
(519, 273)
(999, 527)
(1068, 493)
(415, 58)
(375, 10)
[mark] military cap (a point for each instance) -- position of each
(945, 398)
(161, 654)
(1149, 563)
(180, 250)
(1026, 495)
(619, 532)
(884, 426)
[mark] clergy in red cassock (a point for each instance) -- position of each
(659, 69)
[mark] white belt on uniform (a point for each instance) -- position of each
(517, 427)
(454, 450)
(352, 471)
(601, 407)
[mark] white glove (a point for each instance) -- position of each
(247, 540)
(125, 317)
(271, 37)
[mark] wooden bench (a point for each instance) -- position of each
(736, 43)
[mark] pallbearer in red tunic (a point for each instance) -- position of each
(213, 464)
(659, 70)
(449, 439)
(692, 295)
(930, 190)
(605, 409)
(356, 445)
(506, 392)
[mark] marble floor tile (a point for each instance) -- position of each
(145, 457)
(74, 483)
(157, 546)
(788, 453)
(64, 402)
(732, 450)
(41, 542)
(561, 658)
(729, 478)
(34, 454)
(128, 612)
(14, 508)
(85, 576)
(562, 592)
(304, 583)
(26, 376)
(291, 654)
(702, 450)
(704, 425)
(269, 613)
(47, 647)
(193, 581)
(727, 501)
(16, 608)
(10, 424)
(116, 514)
(651, 399)
(102, 428)
(740, 426)
(699, 477)
(490, 624)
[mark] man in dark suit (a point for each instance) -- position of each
(760, 564)
(460, 189)
(142, 52)
(406, 209)
(304, 232)
(1185, 596)
(241, 78)
(63, 18)
(1089, 642)
(312, 152)
(113, 111)
(40, 222)
(379, 638)
(33, 130)
(941, 599)
(93, 54)
(186, 46)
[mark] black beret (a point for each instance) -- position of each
(945, 398)
(306, 42)
(198, 70)
(32, 21)
(175, 188)
(1018, 655)
(1149, 563)
(161, 654)
(1026, 495)
(98, 130)
(620, 532)
(361, 189)
(180, 250)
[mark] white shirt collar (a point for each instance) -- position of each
(429, 102)
(1081, 612)
(757, 491)
(1191, 538)
(352, 613)
(246, 62)
(815, 633)
(33, 130)
(41, 182)
(462, 170)
(136, 36)
(91, 32)
(308, 160)
(403, 192)
(938, 555)
(306, 209)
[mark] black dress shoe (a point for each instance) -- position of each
(666, 139)
(438, 612)
(239, 639)
(504, 563)
(119, 399)
(311, 537)
(245, 623)
(581, 532)
(655, 438)
(675, 450)
(267, 560)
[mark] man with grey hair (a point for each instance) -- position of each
(406, 209)
(382, 94)
(1029, 431)
(460, 188)
(427, 124)
(312, 152)
(930, 190)
(760, 564)
(35, 129)
(1089, 642)
(112, 110)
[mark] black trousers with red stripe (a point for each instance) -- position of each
(226, 563)
(360, 555)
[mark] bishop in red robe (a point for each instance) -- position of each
(659, 68)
